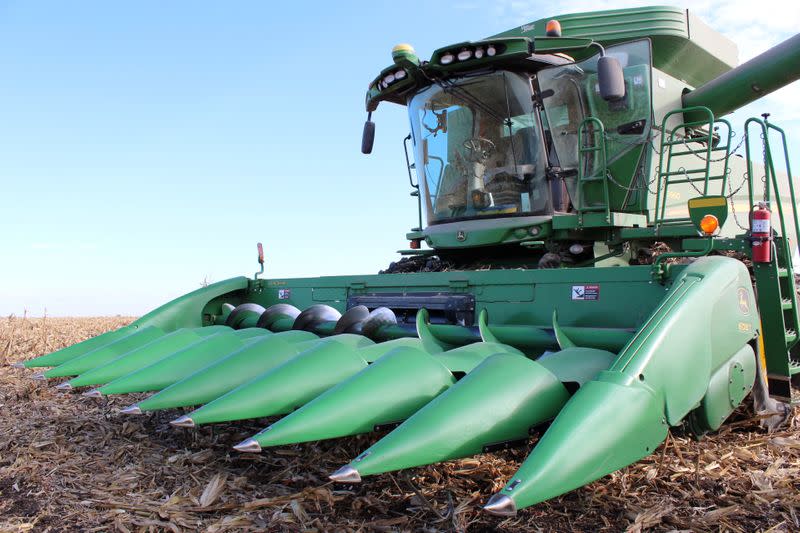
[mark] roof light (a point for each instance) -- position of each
(552, 28)
(478, 53)
(709, 225)
(447, 58)
(463, 55)
(400, 74)
(491, 51)
(403, 47)
(388, 79)
(404, 54)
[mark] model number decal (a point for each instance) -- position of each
(586, 292)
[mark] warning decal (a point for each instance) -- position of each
(586, 292)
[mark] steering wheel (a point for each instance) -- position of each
(479, 149)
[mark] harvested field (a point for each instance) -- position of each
(72, 463)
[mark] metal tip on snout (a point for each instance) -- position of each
(248, 446)
(17, 365)
(500, 505)
(183, 422)
(346, 474)
(94, 393)
(64, 386)
(39, 376)
(131, 410)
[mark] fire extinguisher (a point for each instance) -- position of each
(761, 233)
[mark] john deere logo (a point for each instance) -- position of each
(744, 301)
(461, 235)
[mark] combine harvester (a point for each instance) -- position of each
(552, 161)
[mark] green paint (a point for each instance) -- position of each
(107, 353)
(239, 367)
(291, 384)
(389, 390)
(170, 369)
(667, 370)
(499, 401)
(144, 355)
(76, 350)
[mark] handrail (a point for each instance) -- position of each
(791, 182)
(415, 186)
(598, 137)
(771, 177)
(771, 186)
(661, 199)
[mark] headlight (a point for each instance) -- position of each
(491, 51)
(478, 53)
(463, 55)
(447, 58)
(400, 74)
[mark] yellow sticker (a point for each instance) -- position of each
(712, 201)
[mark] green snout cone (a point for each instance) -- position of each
(499, 401)
(389, 390)
(291, 384)
(105, 354)
(76, 350)
(604, 427)
(178, 365)
(239, 367)
(143, 356)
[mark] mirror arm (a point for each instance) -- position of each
(600, 47)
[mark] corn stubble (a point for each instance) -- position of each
(78, 464)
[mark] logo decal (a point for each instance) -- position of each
(284, 294)
(744, 301)
(461, 235)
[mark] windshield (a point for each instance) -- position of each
(478, 148)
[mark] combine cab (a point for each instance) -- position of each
(591, 262)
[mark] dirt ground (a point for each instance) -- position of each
(71, 463)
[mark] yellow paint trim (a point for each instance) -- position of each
(762, 356)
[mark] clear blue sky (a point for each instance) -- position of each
(148, 145)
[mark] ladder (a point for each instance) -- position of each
(775, 281)
(705, 143)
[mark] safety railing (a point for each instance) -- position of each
(593, 165)
(700, 139)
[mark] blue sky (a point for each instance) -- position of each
(146, 146)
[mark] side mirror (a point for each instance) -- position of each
(368, 137)
(610, 78)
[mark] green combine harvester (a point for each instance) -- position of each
(598, 258)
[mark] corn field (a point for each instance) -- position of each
(73, 463)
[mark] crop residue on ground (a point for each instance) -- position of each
(73, 463)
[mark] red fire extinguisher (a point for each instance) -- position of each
(761, 233)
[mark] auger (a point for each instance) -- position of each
(593, 263)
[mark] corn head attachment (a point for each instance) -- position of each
(584, 278)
